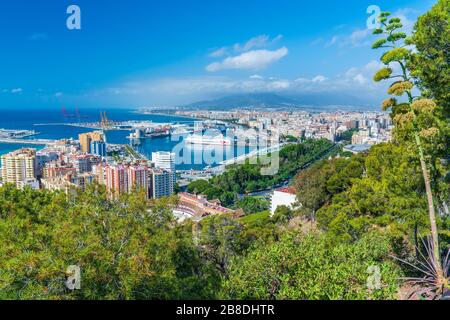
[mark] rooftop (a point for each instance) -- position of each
(290, 190)
(357, 147)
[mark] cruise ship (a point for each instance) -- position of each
(209, 140)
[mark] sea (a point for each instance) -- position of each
(50, 124)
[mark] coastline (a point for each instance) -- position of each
(166, 115)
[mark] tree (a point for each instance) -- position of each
(125, 249)
(389, 193)
(311, 187)
(220, 240)
(247, 178)
(198, 186)
(283, 214)
(252, 205)
(415, 119)
(316, 185)
(306, 268)
(430, 64)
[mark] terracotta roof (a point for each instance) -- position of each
(290, 190)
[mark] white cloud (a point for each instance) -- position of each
(363, 37)
(316, 42)
(359, 38)
(255, 42)
(251, 60)
(17, 90)
(218, 53)
(302, 80)
(260, 41)
(195, 87)
(408, 16)
(279, 84)
(354, 81)
(373, 66)
(277, 38)
(333, 41)
(366, 71)
(360, 79)
(319, 78)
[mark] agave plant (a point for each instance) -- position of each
(432, 285)
(408, 118)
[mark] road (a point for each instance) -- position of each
(265, 193)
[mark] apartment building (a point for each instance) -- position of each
(20, 167)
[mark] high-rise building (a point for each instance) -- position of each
(116, 179)
(98, 148)
(19, 167)
(166, 161)
(161, 184)
(82, 180)
(42, 158)
(99, 171)
(87, 138)
(121, 179)
(138, 178)
(82, 162)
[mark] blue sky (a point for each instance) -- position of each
(168, 52)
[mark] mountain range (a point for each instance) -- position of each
(310, 101)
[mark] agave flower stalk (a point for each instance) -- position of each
(397, 43)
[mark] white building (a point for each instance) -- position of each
(32, 183)
(19, 167)
(165, 161)
(283, 197)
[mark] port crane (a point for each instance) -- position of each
(104, 121)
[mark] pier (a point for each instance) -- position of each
(25, 141)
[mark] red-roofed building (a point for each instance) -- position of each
(199, 206)
(284, 197)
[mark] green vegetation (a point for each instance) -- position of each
(300, 268)
(359, 214)
(247, 178)
(347, 136)
(430, 62)
(130, 249)
(290, 139)
(419, 121)
(123, 250)
(252, 204)
(255, 217)
(132, 152)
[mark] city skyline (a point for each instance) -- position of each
(161, 53)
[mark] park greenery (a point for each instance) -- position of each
(247, 178)
(359, 214)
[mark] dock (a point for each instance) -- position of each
(26, 141)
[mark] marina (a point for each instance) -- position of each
(44, 128)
